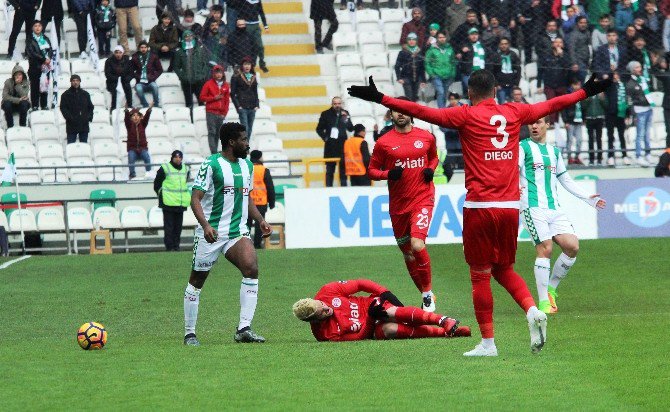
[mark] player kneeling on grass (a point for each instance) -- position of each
(335, 314)
(541, 167)
(220, 202)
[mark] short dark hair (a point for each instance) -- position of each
(515, 88)
(580, 18)
(605, 16)
(575, 80)
(612, 31)
(638, 37)
(470, 11)
(507, 39)
(217, 7)
(481, 84)
(455, 95)
(143, 43)
(189, 13)
(230, 131)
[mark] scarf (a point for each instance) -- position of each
(578, 113)
(621, 105)
(248, 76)
(614, 55)
(635, 5)
(413, 50)
(506, 66)
(107, 12)
(600, 29)
(187, 45)
(646, 64)
(645, 88)
(144, 61)
(552, 36)
(43, 44)
(478, 62)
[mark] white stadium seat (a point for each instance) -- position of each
(22, 219)
(157, 130)
(101, 131)
(49, 150)
(98, 98)
(57, 174)
(134, 217)
(181, 129)
(275, 162)
(175, 114)
(80, 66)
(530, 71)
(42, 117)
(27, 175)
(188, 146)
(105, 149)
(45, 133)
(392, 15)
(17, 133)
(171, 98)
(353, 74)
(381, 74)
(23, 150)
(77, 150)
(3, 221)
(50, 219)
(367, 20)
(264, 112)
(168, 79)
(371, 42)
(263, 127)
(379, 59)
(82, 174)
(100, 116)
(358, 107)
(106, 217)
(392, 40)
(158, 147)
(156, 217)
(270, 145)
(79, 218)
(108, 174)
(344, 40)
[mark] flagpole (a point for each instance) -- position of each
(18, 199)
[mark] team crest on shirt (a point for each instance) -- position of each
(336, 302)
(418, 144)
(424, 211)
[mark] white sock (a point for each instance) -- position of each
(488, 343)
(248, 300)
(542, 277)
(429, 293)
(561, 268)
(191, 302)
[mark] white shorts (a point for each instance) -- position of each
(206, 254)
(544, 224)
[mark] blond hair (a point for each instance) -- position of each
(304, 309)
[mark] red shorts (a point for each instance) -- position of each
(489, 236)
(413, 224)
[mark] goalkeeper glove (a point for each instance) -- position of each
(395, 173)
(593, 87)
(369, 93)
(428, 174)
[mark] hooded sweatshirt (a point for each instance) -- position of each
(210, 90)
(13, 91)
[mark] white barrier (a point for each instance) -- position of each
(358, 216)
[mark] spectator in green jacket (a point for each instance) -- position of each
(190, 65)
(441, 67)
(594, 112)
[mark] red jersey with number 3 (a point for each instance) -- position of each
(413, 151)
(350, 320)
(489, 135)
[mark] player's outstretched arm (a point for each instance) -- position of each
(440, 117)
(538, 110)
(349, 287)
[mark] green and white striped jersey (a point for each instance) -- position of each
(226, 202)
(540, 165)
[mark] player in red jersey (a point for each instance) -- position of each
(335, 314)
(406, 156)
(490, 139)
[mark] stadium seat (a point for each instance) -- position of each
(102, 197)
(27, 175)
(177, 114)
(347, 59)
(78, 150)
(58, 173)
(49, 150)
(18, 134)
(134, 217)
(158, 147)
(43, 133)
(105, 149)
(393, 56)
(79, 173)
(168, 79)
(157, 114)
(344, 40)
(189, 219)
(108, 174)
(270, 145)
(352, 74)
(80, 66)
(157, 130)
(23, 219)
(106, 217)
(91, 81)
(50, 220)
(23, 150)
(392, 26)
(264, 112)
(3, 221)
(392, 15)
(392, 40)
(367, 20)
(375, 60)
(155, 217)
(276, 215)
(358, 107)
(171, 98)
(381, 74)
(530, 71)
(264, 127)
(199, 114)
(100, 116)
(42, 117)
(181, 129)
(101, 131)
(371, 42)
(98, 99)
(276, 163)
(187, 145)
(79, 218)
(656, 98)
(65, 68)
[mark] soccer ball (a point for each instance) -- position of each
(92, 335)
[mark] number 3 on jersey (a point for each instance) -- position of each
(495, 120)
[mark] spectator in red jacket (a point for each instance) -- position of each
(146, 68)
(136, 125)
(216, 96)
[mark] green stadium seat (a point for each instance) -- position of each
(279, 191)
(102, 197)
(11, 198)
(586, 177)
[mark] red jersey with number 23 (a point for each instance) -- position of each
(350, 320)
(489, 135)
(413, 151)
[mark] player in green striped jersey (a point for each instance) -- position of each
(541, 167)
(220, 203)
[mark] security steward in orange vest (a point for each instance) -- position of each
(171, 186)
(357, 157)
(263, 194)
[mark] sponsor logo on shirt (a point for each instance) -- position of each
(541, 166)
(230, 190)
(354, 318)
(411, 163)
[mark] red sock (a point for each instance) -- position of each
(422, 260)
(411, 266)
(415, 316)
(417, 332)
(482, 299)
(515, 285)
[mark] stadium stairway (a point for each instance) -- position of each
(295, 87)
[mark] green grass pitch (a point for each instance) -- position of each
(607, 347)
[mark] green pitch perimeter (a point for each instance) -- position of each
(607, 347)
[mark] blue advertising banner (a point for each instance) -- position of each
(635, 208)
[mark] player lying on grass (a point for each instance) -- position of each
(489, 135)
(336, 314)
(541, 167)
(406, 156)
(220, 202)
